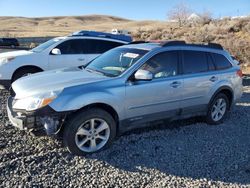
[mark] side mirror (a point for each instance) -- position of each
(143, 75)
(56, 51)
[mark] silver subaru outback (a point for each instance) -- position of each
(124, 88)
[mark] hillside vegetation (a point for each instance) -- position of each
(233, 34)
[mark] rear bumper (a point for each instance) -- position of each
(5, 84)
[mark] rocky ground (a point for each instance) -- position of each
(179, 154)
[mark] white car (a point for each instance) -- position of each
(77, 49)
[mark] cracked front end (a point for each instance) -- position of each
(44, 119)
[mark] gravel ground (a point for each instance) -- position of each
(184, 153)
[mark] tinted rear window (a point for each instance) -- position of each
(221, 62)
(99, 46)
(87, 46)
(194, 62)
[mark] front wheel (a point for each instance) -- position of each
(22, 73)
(218, 109)
(89, 131)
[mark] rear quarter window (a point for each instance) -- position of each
(221, 62)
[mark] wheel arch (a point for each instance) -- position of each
(26, 67)
(103, 106)
(228, 91)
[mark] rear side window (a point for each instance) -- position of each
(194, 62)
(99, 46)
(221, 62)
(87, 46)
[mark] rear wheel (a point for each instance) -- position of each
(90, 131)
(218, 109)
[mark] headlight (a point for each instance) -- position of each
(36, 102)
(5, 60)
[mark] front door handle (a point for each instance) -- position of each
(175, 84)
(81, 59)
(213, 79)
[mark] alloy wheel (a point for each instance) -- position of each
(92, 135)
(218, 109)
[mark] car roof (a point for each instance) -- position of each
(89, 37)
(85, 33)
(213, 47)
(142, 46)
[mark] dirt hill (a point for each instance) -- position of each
(233, 34)
(57, 26)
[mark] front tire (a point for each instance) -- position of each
(218, 109)
(21, 73)
(89, 131)
(24, 72)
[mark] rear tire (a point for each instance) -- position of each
(90, 131)
(218, 109)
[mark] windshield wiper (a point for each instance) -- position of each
(100, 72)
(95, 71)
(82, 67)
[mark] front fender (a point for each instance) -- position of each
(75, 100)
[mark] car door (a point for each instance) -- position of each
(198, 78)
(72, 54)
(160, 97)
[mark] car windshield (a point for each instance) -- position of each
(45, 45)
(114, 62)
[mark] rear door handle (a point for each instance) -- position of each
(213, 79)
(175, 84)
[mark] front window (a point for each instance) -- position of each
(45, 45)
(116, 61)
(163, 65)
(74, 46)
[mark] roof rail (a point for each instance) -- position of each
(183, 43)
(125, 38)
(215, 45)
(173, 43)
(138, 42)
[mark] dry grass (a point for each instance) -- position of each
(234, 35)
(58, 26)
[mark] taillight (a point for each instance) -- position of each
(239, 73)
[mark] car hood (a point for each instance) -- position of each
(15, 53)
(53, 80)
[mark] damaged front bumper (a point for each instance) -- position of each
(44, 119)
